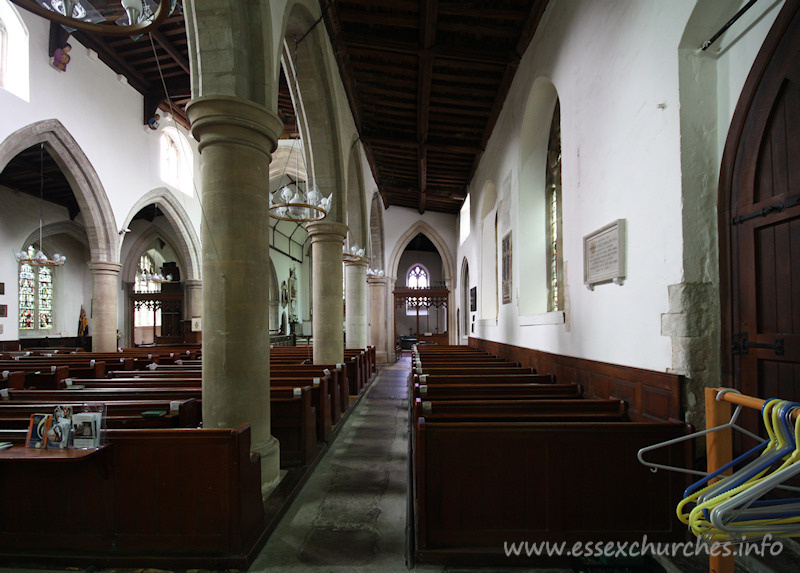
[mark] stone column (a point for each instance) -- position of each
(355, 316)
(377, 316)
(194, 298)
(105, 285)
(236, 138)
(327, 239)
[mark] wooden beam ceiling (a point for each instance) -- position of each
(426, 80)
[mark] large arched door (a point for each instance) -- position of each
(761, 178)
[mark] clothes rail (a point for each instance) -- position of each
(719, 445)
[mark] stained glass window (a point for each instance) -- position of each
(27, 297)
(45, 298)
(417, 278)
(35, 296)
(553, 184)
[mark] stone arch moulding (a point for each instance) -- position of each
(98, 217)
(310, 71)
(70, 228)
(448, 265)
(185, 238)
(131, 262)
(376, 233)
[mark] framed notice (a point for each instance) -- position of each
(507, 268)
(604, 255)
(2, 288)
(196, 324)
(3, 310)
(473, 299)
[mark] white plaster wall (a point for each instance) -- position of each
(19, 216)
(87, 99)
(398, 220)
(615, 67)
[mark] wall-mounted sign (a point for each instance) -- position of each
(604, 255)
(196, 324)
(473, 299)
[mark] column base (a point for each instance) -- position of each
(270, 464)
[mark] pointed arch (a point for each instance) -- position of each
(142, 243)
(185, 238)
(356, 197)
(95, 207)
(72, 229)
(448, 267)
(309, 65)
(376, 234)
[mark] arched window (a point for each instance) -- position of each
(555, 270)
(176, 160)
(35, 296)
(417, 277)
(14, 71)
(541, 263)
(464, 221)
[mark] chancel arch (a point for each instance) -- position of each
(393, 270)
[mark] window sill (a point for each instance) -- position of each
(546, 318)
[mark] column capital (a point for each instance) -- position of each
(377, 281)
(104, 268)
(361, 263)
(326, 231)
(234, 121)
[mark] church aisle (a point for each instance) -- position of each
(351, 514)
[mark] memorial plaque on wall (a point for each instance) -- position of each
(507, 268)
(473, 299)
(604, 255)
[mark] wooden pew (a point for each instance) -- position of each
(499, 376)
(119, 414)
(592, 410)
(293, 418)
(478, 485)
(154, 494)
(292, 422)
(498, 391)
(77, 366)
(320, 400)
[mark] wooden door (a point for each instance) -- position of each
(761, 169)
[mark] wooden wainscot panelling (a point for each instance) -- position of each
(651, 395)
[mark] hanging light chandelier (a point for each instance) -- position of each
(375, 273)
(137, 16)
(38, 258)
(352, 255)
(291, 203)
(157, 278)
